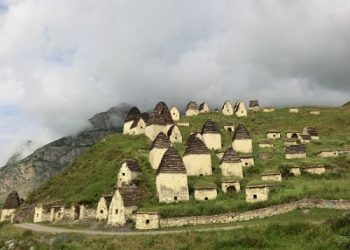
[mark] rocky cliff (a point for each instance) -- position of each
(26, 174)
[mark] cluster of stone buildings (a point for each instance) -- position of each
(172, 169)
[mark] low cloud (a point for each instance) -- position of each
(62, 61)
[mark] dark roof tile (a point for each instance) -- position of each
(171, 163)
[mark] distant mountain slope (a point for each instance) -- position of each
(346, 104)
(24, 175)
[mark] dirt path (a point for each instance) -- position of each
(49, 229)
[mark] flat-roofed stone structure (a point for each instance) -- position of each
(257, 193)
(271, 176)
(295, 152)
(229, 127)
(293, 110)
(41, 213)
(230, 186)
(205, 192)
(273, 134)
(290, 141)
(265, 144)
(147, 220)
(318, 169)
(247, 160)
(269, 109)
(254, 105)
(328, 154)
(315, 112)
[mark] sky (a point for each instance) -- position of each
(61, 61)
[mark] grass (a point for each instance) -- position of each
(313, 229)
(95, 172)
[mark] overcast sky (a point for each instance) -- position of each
(61, 61)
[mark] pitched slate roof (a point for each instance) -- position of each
(192, 105)
(161, 141)
(196, 146)
(12, 201)
(171, 163)
(134, 113)
(165, 113)
(131, 195)
(159, 107)
(305, 137)
(134, 124)
(191, 137)
(311, 131)
(237, 104)
(210, 127)
(132, 165)
(241, 133)
(156, 119)
(230, 156)
(145, 116)
(253, 103)
(295, 149)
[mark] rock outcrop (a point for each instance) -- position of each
(26, 174)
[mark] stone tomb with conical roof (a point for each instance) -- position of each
(124, 202)
(254, 105)
(240, 109)
(174, 134)
(10, 207)
(128, 172)
(197, 158)
(211, 135)
(131, 122)
(192, 109)
(227, 108)
(203, 108)
(160, 144)
(231, 164)
(175, 113)
(242, 141)
(171, 180)
(103, 207)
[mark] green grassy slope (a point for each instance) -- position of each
(95, 173)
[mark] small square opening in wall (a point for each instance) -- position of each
(123, 174)
(200, 174)
(246, 163)
(147, 222)
(116, 211)
(175, 198)
(101, 211)
(255, 196)
(206, 198)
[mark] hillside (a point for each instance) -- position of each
(26, 174)
(95, 172)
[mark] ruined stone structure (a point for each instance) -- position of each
(254, 105)
(305, 139)
(273, 134)
(290, 141)
(204, 193)
(175, 114)
(204, 108)
(315, 112)
(256, 193)
(10, 207)
(171, 180)
(230, 186)
(295, 152)
(272, 176)
(268, 109)
(160, 144)
(124, 202)
(295, 171)
(292, 134)
(103, 207)
(211, 135)
(197, 158)
(312, 132)
(265, 144)
(227, 108)
(128, 172)
(41, 213)
(293, 110)
(318, 169)
(328, 153)
(240, 109)
(174, 134)
(231, 164)
(242, 142)
(147, 220)
(192, 109)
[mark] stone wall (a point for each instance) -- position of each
(258, 213)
